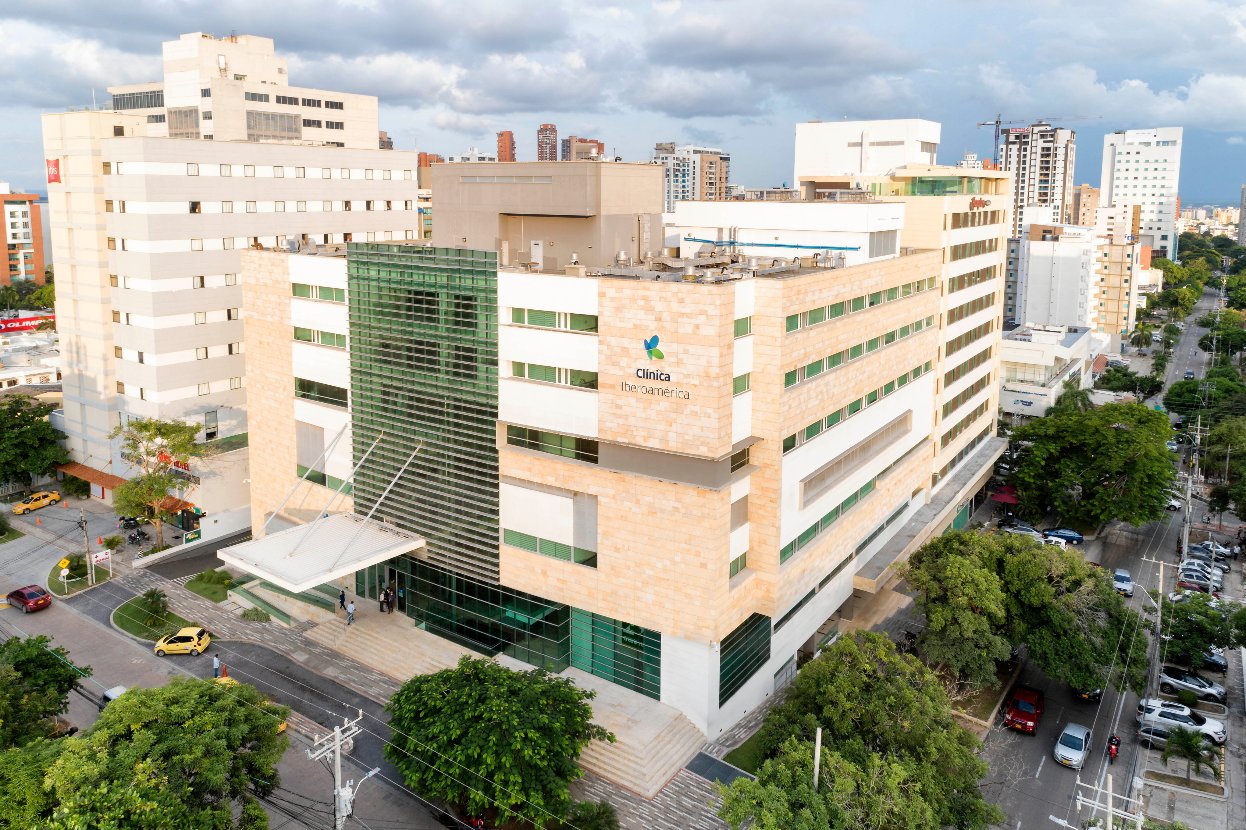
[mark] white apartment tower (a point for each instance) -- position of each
(693, 173)
(1040, 158)
(151, 203)
(1241, 219)
(1143, 167)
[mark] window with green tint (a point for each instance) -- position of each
(835, 359)
(917, 326)
(932, 281)
(545, 319)
(814, 368)
(741, 654)
(583, 322)
(743, 326)
(793, 322)
(620, 652)
(739, 460)
(789, 443)
(806, 537)
(518, 315)
(815, 316)
(834, 418)
(858, 303)
(876, 298)
(928, 365)
(789, 379)
(320, 392)
(904, 331)
(812, 430)
(872, 344)
(856, 351)
(554, 550)
(893, 294)
(785, 552)
(907, 289)
(836, 310)
(305, 335)
(547, 374)
(519, 540)
(588, 558)
(889, 387)
(855, 407)
(866, 488)
(740, 383)
(582, 379)
(301, 290)
(903, 379)
(829, 519)
(849, 503)
(889, 338)
(518, 369)
(739, 563)
(871, 398)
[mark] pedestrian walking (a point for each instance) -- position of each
(341, 599)
(216, 665)
(350, 612)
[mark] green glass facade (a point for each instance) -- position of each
(423, 359)
(742, 653)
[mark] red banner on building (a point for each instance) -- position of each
(24, 323)
(54, 171)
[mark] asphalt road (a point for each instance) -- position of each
(1024, 779)
(200, 561)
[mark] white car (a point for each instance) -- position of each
(1123, 582)
(1073, 746)
(1052, 540)
(1175, 503)
(1166, 713)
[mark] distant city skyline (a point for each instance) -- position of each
(451, 77)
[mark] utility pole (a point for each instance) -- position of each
(343, 796)
(817, 757)
(1108, 804)
(86, 540)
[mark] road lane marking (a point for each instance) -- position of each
(1041, 761)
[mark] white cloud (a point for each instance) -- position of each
(1235, 139)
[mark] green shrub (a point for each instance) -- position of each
(5, 527)
(76, 487)
(77, 565)
(256, 615)
(1187, 698)
(592, 815)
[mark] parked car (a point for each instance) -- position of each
(36, 500)
(1189, 374)
(1213, 659)
(1210, 568)
(1166, 713)
(1196, 575)
(1088, 695)
(1024, 530)
(1024, 710)
(1174, 503)
(110, 695)
(1056, 541)
(1172, 446)
(1193, 584)
(192, 641)
(1123, 582)
(1173, 679)
(1073, 746)
(1154, 736)
(30, 598)
(1067, 534)
(1214, 548)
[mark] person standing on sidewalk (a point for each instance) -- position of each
(381, 600)
(341, 599)
(350, 612)
(216, 665)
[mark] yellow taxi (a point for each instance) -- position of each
(229, 681)
(190, 641)
(36, 500)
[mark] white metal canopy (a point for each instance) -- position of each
(300, 558)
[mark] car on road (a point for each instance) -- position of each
(31, 598)
(1024, 710)
(1066, 533)
(1123, 582)
(191, 640)
(1189, 374)
(1072, 746)
(1173, 679)
(1159, 712)
(1174, 504)
(1024, 530)
(1088, 695)
(36, 500)
(1172, 446)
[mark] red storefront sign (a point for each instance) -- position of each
(54, 170)
(24, 323)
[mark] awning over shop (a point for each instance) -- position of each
(1005, 498)
(303, 557)
(89, 474)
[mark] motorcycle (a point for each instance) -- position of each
(138, 537)
(1114, 746)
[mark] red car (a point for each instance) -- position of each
(1024, 710)
(30, 598)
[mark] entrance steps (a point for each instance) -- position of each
(313, 606)
(389, 643)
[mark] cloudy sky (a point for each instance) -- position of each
(729, 73)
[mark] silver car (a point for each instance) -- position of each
(1073, 746)
(1202, 577)
(1026, 531)
(1200, 565)
(1123, 582)
(1173, 679)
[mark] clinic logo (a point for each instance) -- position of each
(651, 348)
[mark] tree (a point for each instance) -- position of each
(592, 815)
(1073, 397)
(1193, 625)
(155, 607)
(1190, 746)
(1106, 463)
(848, 796)
(155, 447)
(43, 297)
(964, 604)
(137, 769)
(1218, 500)
(482, 737)
(875, 706)
(147, 496)
(24, 800)
(1141, 337)
(35, 681)
(29, 445)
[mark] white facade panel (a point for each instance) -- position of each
(540, 513)
(312, 314)
(546, 292)
(321, 363)
(548, 406)
(547, 347)
(741, 417)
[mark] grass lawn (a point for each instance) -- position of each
(211, 585)
(980, 702)
(10, 534)
(74, 586)
(130, 619)
(747, 756)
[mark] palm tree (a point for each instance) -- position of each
(1192, 747)
(155, 604)
(1141, 336)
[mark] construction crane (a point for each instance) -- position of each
(999, 122)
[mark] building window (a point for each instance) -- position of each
(554, 319)
(201, 317)
(738, 564)
(227, 207)
(226, 170)
(196, 207)
(107, 208)
(235, 383)
(231, 279)
(205, 92)
(112, 243)
(335, 125)
(116, 316)
(334, 105)
(107, 166)
(279, 207)
(261, 97)
(320, 392)
(545, 547)
(300, 172)
(739, 460)
(741, 654)
(567, 446)
(196, 282)
(116, 351)
(206, 115)
(311, 102)
(743, 326)
(550, 374)
(311, 122)
(740, 383)
(120, 388)
(201, 353)
(112, 280)
(204, 388)
(232, 314)
(250, 207)
(301, 207)
(248, 170)
(196, 244)
(321, 338)
(235, 348)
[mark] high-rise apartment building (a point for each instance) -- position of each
(472, 155)
(384, 142)
(506, 146)
(1040, 158)
(693, 173)
(1241, 222)
(1143, 167)
(871, 148)
(1085, 208)
(150, 227)
(1057, 281)
(547, 142)
(424, 159)
(574, 148)
(23, 237)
